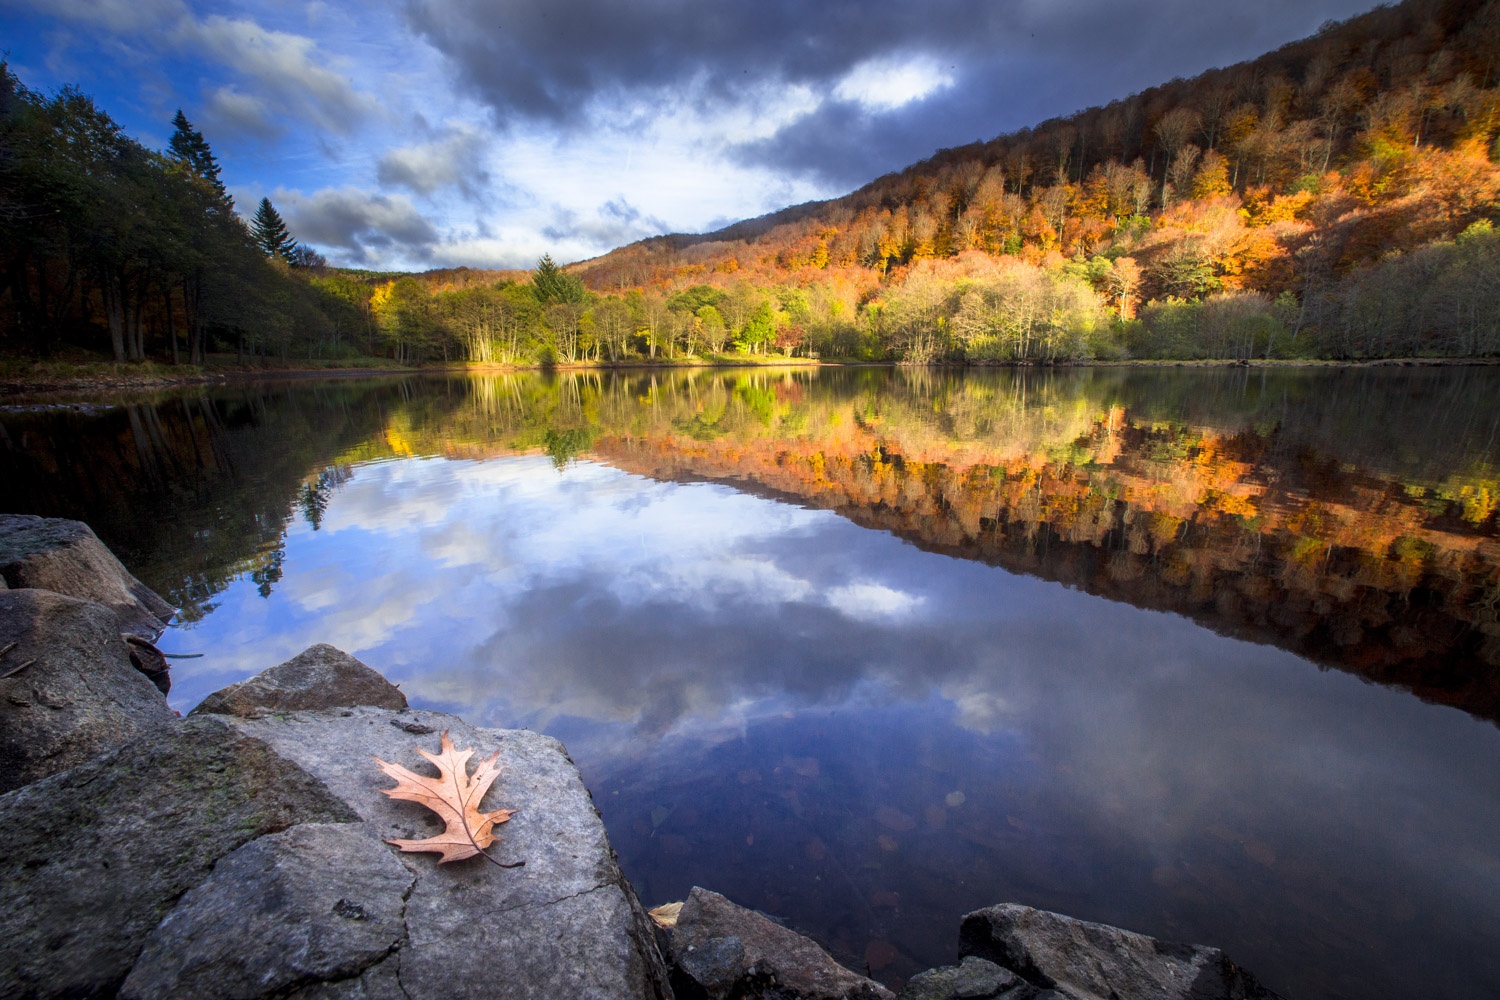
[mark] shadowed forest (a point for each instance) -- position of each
(1335, 198)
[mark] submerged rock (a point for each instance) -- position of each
(320, 676)
(47, 553)
(68, 690)
(972, 979)
(720, 951)
(1088, 961)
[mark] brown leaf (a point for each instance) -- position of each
(665, 915)
(455, 796)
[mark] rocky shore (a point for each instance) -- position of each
(242, 852)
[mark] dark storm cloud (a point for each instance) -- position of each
(1011, 62)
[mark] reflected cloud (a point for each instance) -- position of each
(741, 677)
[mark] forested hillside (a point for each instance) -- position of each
(1335, 198)
(109, 245)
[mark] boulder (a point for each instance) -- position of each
(68, 691)
(96, 856)
(1089, 961)
(320, 903)
(567, 924)
(320, 676)
(720, 950)
(66, 557)
(972, 979)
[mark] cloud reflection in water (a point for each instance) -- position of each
(803, 697)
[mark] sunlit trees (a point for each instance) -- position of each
(711, 324)
(613, 324)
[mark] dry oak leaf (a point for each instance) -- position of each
(455, 796)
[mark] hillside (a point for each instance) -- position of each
(1291, 173)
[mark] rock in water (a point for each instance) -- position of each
(70, 691)
(66, 557)
(1088, 961)
(720, 950)
(973, 979)
(320, 676)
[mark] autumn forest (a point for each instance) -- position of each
(1336, 198)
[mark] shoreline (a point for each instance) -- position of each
(134, 376)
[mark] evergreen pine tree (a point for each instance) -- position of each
(189, 146)
(551, 283)
(270, 233)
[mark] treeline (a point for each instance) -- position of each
(109, 245)
(1442, 299)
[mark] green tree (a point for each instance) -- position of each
(552, 284)
(191, 149)
(270, 233)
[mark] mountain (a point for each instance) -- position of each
(1286, 173)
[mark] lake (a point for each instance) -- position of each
(1210, 654)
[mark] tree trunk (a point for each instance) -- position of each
(166, 294)
(114, 313)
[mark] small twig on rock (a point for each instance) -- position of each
(8, 647)
(16, 670)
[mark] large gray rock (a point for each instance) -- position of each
(78, 697)
(48, 553)
(1088, 961)
(320, 676)
(95, 857)
(316, 904)
(720, 950)
(567, 924)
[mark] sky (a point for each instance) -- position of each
(411, 134)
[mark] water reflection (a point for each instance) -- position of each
(868, 736)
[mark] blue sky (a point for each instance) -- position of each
(432, 133)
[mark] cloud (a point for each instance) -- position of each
(290, 70)
(454, 160)
(116, 15)
(282, 74)
(614, 223)
(891, 81)
(228, 109)
(370, 227)
(884, 84)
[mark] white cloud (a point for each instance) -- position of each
(228, 108)
(454, 160)
(886, 83)
(289, 69)
(872, 601)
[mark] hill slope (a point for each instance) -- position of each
(1285, 174)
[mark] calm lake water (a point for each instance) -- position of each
(1210, 654)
